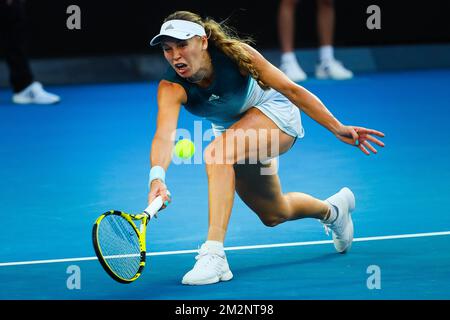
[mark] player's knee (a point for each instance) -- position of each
(271, 221)
(274, 218)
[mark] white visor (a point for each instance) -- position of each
(178, 29)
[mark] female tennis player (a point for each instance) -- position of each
(220, 77)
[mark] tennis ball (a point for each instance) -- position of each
(184, 149)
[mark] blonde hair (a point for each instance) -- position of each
(225, 39)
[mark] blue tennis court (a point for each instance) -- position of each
(62, 166)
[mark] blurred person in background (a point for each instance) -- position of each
(328, 67)
(13, 42)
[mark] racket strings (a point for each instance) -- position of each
(119, 244)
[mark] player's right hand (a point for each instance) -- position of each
(158, 188)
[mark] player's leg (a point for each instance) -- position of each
(240, 142)
(262, 193)
(259, 187)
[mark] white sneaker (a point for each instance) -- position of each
(211, 267)
(333, 70)
(291, 68)
(342, 227)
(35, 93)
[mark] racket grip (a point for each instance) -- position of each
(153, 208)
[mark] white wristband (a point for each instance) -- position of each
(157, 172)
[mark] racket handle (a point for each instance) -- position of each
(153, 208)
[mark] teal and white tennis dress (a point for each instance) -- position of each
(231, 94)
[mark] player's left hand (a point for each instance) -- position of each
(360, 137)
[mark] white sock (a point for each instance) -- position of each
(333, 214)
(288, 57)
(214, 244)
(326, 54)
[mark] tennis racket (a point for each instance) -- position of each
(119, 241)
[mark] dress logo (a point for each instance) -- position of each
(213, 97)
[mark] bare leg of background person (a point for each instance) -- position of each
(286, 32)
(328, 66)
(13, 37)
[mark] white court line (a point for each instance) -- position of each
(263, 246)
